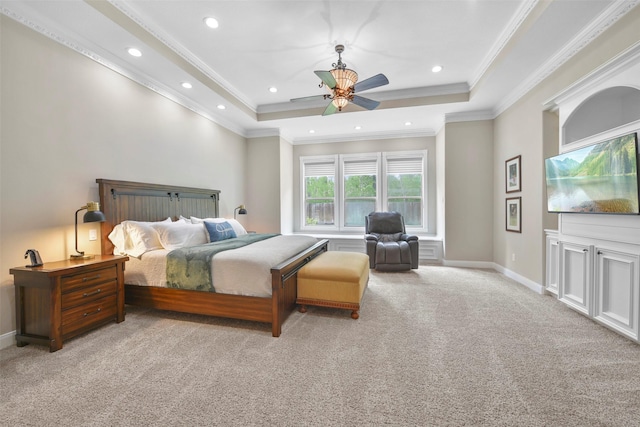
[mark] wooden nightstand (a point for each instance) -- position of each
(62, 299)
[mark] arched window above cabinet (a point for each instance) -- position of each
(604, 110)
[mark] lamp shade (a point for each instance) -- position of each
(93, 214)
(239, 210)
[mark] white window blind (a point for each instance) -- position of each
(319, 169)
(369, 167)
(408, 166)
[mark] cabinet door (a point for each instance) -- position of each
(575, 279)
(616, 297)
(551, 280)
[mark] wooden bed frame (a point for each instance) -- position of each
(122, 200)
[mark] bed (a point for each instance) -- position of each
(123, 200)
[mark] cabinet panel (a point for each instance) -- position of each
(552, 270)
(616, 298)
(574, 283)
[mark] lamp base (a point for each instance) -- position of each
(81, 256)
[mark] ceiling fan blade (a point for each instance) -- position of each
(308, 98)
(331, 108)
(371, 82)
(367, 103)
(327, 78)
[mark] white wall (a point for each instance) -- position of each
(66, 120)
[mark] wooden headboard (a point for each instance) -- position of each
(137, 201)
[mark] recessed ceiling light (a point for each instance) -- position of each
(134, 52)
(312, 131)
(437, 68)
(211, 22)
(273, 89)
(407, 123)
(358, 127)
(187, 85)
(221, 107)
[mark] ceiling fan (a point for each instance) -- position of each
(341, 81)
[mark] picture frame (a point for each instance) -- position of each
(513, 214)
(513, 178)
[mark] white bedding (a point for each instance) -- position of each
(242, 271)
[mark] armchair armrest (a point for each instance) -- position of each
(372, 237)
(408, 237)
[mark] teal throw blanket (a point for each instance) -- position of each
(190, 268)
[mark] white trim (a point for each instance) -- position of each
(7, 340)
(535, 287)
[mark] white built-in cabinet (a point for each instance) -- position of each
(616, 300)
(593, 261)
(602, 283)
(552, 260)
(575, 274)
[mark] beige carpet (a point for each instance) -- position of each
(437, 347)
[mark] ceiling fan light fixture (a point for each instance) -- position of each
(340, 102)
(345, 78)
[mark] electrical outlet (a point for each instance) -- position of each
(513, 257)
(93, 234)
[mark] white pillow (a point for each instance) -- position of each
(237, 227)
(134, 238)
(141, 237)
(180, 234)
(117, 237)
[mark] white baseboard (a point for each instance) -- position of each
(8, 339)
(469, 264)
(535, 287)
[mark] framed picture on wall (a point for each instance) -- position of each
(512, 174)
(513, 214)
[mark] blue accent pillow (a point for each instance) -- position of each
(219, 231)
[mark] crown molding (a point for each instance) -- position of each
(625, 60)
(469, 116)
(146, 81)
(613, 13)
(518, 19)
(363, 137)
(127, 8)
(389, 95)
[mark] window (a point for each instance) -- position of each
(339, 191)
(360, 188)
(319, 191)
(404, 187)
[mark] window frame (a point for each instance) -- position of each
(381, 159)
(408, 155)
(303, 192)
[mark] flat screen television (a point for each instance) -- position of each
(598, 179)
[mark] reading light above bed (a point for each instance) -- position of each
(93, 215)
(240, 210)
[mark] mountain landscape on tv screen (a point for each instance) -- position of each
(601, 178)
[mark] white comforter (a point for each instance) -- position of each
(242, 271)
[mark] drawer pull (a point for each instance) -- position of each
(84, 279)
(88, 294)
(94, 312)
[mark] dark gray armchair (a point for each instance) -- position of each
(388, 246)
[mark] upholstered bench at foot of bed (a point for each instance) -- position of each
(334, 279)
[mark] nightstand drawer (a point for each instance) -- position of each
(88, 294)
(87, 278)
(87, 315)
